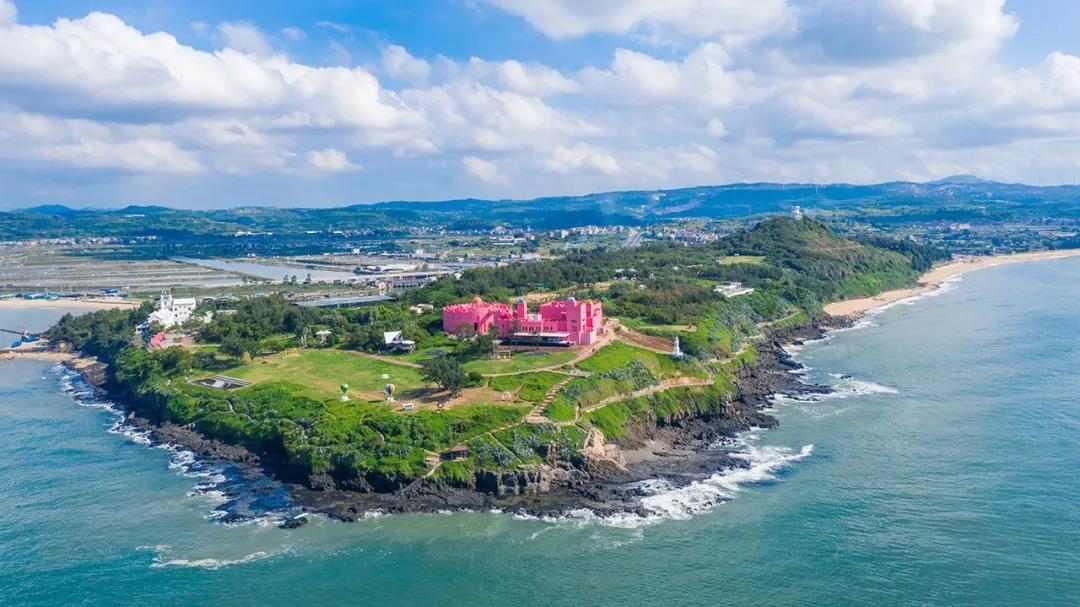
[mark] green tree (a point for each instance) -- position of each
(447, 373)
(235, 346)
(484, 343)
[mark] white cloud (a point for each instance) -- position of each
(294, 33)
(341, 55)
(86, 144)
(481, 169)
(330, 160)
(578, 158)
(525, 78)
(245, 38)
(399, 63)
(341, 28)
(474, 116)
(857, 90)
(875, 30)
(100, 66)
(636, 78)
(8, 13)
(141, 155)
(716, 128)
(569, 18)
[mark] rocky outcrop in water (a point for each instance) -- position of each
(193, 441)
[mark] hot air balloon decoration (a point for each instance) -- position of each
(344, 391)
(390, 389)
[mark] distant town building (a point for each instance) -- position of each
(796, 212)
(577, 322)
(732, 289)
(172, 311)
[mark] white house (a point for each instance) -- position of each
(732, 289)
(172, 312)
(394, 342)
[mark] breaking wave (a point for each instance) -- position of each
(163, 560)
(666, 500)
(683, 502)
(844, 387)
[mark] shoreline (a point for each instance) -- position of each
(932, 280)
(73, 360)
(104, 303)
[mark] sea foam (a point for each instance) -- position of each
(163, 560)
(213, 479)
(701, 496)
(666, 500)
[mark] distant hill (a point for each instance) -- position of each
(957, 198)
(51, 209)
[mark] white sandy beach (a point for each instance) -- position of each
(932, 280)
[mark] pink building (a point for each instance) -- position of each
(569, 319)
(158, 341)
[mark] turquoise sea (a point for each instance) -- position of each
(945, 470)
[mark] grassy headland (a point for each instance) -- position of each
(510, 413)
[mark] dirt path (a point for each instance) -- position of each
(652, 343)
(769, 323)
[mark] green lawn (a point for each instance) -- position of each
(507, 383)
(560, 411)
(322, 371)
(423, 354)
(617, 354)
(525, 361)
(537, 385)
(589, 391)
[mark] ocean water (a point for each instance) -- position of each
(945, 470)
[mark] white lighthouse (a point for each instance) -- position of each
(676, 352)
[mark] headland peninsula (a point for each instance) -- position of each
(538, 388)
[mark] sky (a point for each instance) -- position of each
(205, 104)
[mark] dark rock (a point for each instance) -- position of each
(294, 522)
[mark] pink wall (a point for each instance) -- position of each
(581, 321)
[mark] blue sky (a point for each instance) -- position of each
(210, 104)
